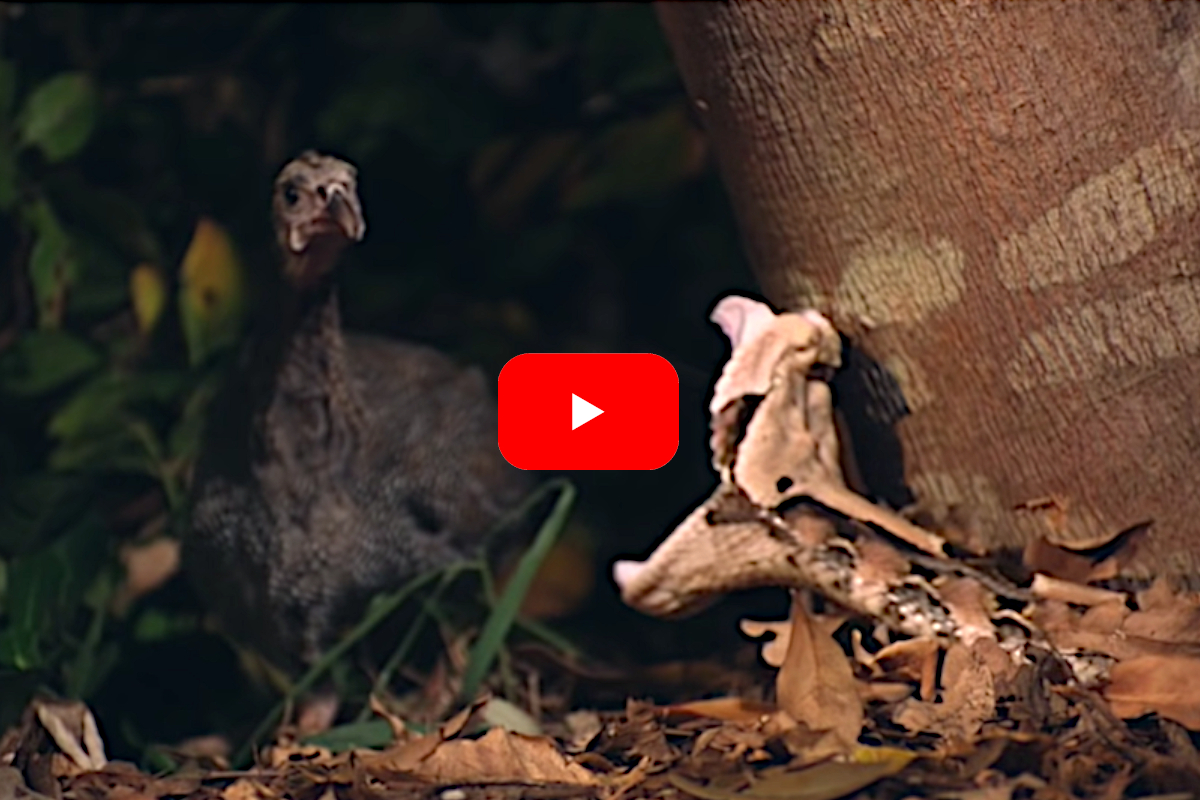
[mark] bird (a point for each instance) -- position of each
(334, 466)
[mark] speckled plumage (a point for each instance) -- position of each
(334, 466)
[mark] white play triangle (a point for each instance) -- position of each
(582, 411)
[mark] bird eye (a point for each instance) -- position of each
(290, 195)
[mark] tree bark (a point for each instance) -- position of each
(998, 204)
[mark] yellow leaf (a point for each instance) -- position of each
(211, 292)
(826, 781)
(149, 292)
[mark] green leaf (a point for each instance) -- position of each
(41, 361)
(374, 734)
(59, 115)
(45, 590)
(495, 630)
(52, 266)
(100, 404)
(30, 505)
(157, 625)
(99, 283)
(118, 450)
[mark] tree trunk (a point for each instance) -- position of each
(998, 203)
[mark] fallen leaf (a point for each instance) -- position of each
(968, 698)
(1165, 685)
(883, 692)
(583, 727)
(244, 789)
(499, 713)
(826, 781)
(501, 757)
(971, 608)
(1046, 587)
(395, 722)
(71, 724)
(911, 660)
(1175, 620)
(816, 684)
(1056, 561)
(729, 709)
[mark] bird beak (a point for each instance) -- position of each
(344, 210)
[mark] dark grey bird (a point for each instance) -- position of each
(334, 466)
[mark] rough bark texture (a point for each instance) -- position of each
(998, 202)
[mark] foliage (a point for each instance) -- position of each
(531, 179)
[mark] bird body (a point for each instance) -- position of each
(335, 466)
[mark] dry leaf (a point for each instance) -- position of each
(501, 757)
(816, 685)
(729, 709)
(1058, 562)
(583, 727)
(968, 698)
(71, 724)
(971, 606)
(826, 781)
(1165, 685)
(883, 692)
(243, 789)
(1046, 587)
(398, 727)
(1176, 620)
(499, 713)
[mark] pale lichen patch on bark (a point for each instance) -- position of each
(847, 30)
(1108, 219)
(898, 278)
(1186, 57)
(1138, 330)
(914, 385)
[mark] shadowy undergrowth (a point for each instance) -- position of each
(532, 181)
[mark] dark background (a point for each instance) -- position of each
(532, 181)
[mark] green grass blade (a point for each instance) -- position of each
(382, 608)
(496, 629)
(384, 678)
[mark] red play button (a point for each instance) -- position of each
(561, 411)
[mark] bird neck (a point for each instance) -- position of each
(309, 408)
(298, 348)
(310, 319)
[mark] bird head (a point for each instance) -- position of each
(317, 213)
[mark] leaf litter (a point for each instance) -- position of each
(905, 669)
